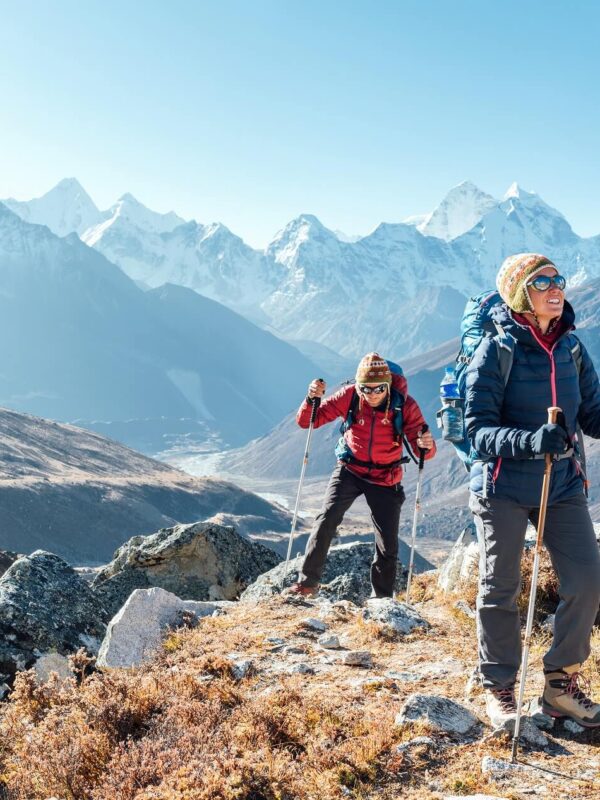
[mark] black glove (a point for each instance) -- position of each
(550, 438)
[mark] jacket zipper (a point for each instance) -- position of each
(369, 451)
(496, 472)
(550, 353)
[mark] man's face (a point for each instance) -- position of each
(373, 393)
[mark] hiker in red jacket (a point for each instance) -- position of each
(376, 414)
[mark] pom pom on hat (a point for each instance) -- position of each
(513, 276)
(373, 369)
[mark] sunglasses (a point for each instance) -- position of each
(543, 282)
(373, 389)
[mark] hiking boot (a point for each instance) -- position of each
(565, 696)
(501, 706)
(301, 590)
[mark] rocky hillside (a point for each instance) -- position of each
(82, 495)
(287, 700)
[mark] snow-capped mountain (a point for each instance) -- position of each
(459, 211)
(400, 289)
(67, 208)
(84, 343)
(128, 211)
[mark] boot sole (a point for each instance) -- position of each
(552, 712)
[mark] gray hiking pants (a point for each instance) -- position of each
(570, 540)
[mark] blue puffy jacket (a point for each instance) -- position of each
(500, 420)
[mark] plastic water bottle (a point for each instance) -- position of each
(449, 385)
(451, 414)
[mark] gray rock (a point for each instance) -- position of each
(462, 561)
(137, 630)
(329, 641)
(571, 726)
(403, 677)
(498, 768)
(45, 607)
(473, 797)
(202, 561)
(241, 668)
(345, 577)
(48, 663)
(312, 624)
(393, 616)
(300, 669)
(537, 716)
(418, 741)
(462, 605)
(440, 712)
(357, 658)
(529, 732)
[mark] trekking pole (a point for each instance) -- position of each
(553, 411)
(422, 453)
(315, 402)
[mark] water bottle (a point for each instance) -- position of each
(451, 414)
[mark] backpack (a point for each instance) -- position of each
(475, 324)
(397, 399)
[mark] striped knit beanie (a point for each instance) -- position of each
(513, 276)
(373, 369)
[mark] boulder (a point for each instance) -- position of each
(137, 630)
(202, 561)
(393, 616)
(462, 561)
(45, 607)
(346, 575)
(440, 712)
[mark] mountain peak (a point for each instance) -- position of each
(66, 208)
(460, 210)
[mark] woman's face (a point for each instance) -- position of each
(548, 304)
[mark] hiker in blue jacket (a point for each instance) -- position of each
(507, 426)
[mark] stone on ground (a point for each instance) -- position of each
(137, 630)
(48, 663)
(393, 616)
(202, 561)
(440, 712)
(462, 561)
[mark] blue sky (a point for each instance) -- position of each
(253, 112)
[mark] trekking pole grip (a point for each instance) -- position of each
(422, 451)
(553, 413)
(315, 403)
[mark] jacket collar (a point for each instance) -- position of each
(503, 316)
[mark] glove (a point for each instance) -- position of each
(550, 438)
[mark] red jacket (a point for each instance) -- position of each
(369, 438)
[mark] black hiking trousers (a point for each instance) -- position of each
(384, 502)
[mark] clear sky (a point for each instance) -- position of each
(252, 112)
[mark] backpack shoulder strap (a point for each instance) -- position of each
(351, 415)
(505, 345)
(576, 352)
(397, 401)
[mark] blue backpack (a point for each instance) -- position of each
(475, 324)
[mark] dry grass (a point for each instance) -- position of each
(183, 729)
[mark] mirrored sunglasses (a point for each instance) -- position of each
(541, 283)
(373, 389)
